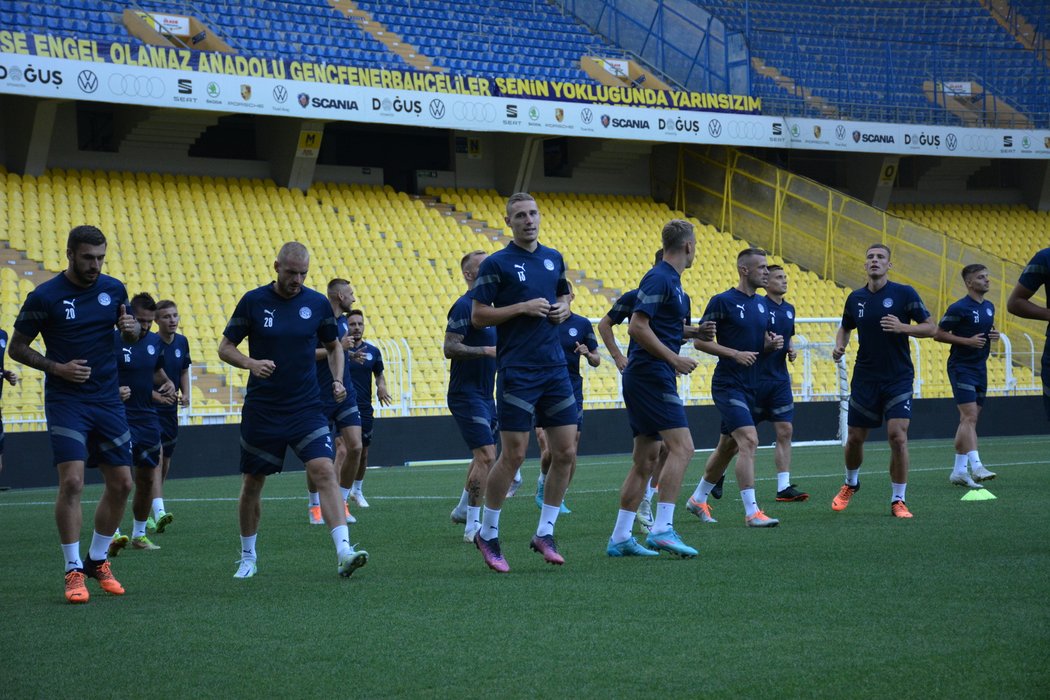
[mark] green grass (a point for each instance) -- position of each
(950, 604)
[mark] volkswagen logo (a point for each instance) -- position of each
(714, 127)
(840, 132)
(128, 85)
(587, 116)
(280, 94)
(87, 81)
(437, 109)
(951, 142)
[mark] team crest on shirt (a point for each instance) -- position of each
(368, 356)
(573, 332)
(151, 350)
(761, 309)
(549, 264)
(888, 303)
(790, 314)
(3, 342)
(178, 353)
(104, 299)
(988, 311)
(304, 312)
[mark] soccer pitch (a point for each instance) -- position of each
(856, 604)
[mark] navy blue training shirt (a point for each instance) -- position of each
(476, 376)
(967, 318)
(883, 356)
(662, 299)
(286, 332)
(511, 276)
(361, 374)
(622, 307)
(576, 329)
(781, 322)
(176, 361)
(1036, 274)
(136, 364)
(742, 322)
(76, 323)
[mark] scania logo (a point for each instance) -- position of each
(714, 127)
(87, 81)
(951, 141)
(587, 116)
(605, 120)
(856, 137)
(280, 94)
(304, 100)
(437, 109)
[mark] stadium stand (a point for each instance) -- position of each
(1008, 231)
(871, 58)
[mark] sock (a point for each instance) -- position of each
(624, 523)
(99, 546)
(315, 498)
(975, 459)
(473, 515)
(548, 516)
(345, 492)
(356, 488)
(664, 519)
(158, 508)
(702, 491)
(464, 498)
(138, 528)
(748, 497)
(898, 491)
(783, 480)
(960, 464)
(852, 476)
(649, 489)
(248, 547)
(517, 475)
(489, 523)
(71, 553)
(341, 538)
(542, 478)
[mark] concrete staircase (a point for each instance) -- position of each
(23, 265)
(1021, 29)
(167, 131)
(790, 86)
(482, 228)
(408, 53)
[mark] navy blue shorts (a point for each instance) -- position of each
(774, 402)
(476, 418)
(734, 404)
(93, 433)
(871, 401)
(535, 396)
(169, 431)
(969, 384)
(577, 391)
(367, 416)
(145, 442)
(1, 439)
(342, 415)
(651, 397)
(1046, 377)
(266, 434)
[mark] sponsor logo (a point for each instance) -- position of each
(534, 113)
(29, 75)
(951, 141)
(840, 132)
(474, 112)
(391, 106)
(679, 125)
(512, 111)
(132, 85)
(795, 131)
(714, 127)
(304, 100)
(185, 86)
(860, 137)
(746, 130)
(87, 81)
(587, 116)
(1046, 142)
(618, 123)
(437, 109)
(559, 114)
(327, 103)
(213, 89)
(606, 121)
(280, 94)
(1008, 141)
(887, 303)
(856, 137)
(922, 139)
(816, 131)
(778, 129)
(1026, 142)
(246, 92)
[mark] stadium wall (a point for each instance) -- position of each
(214, 450)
